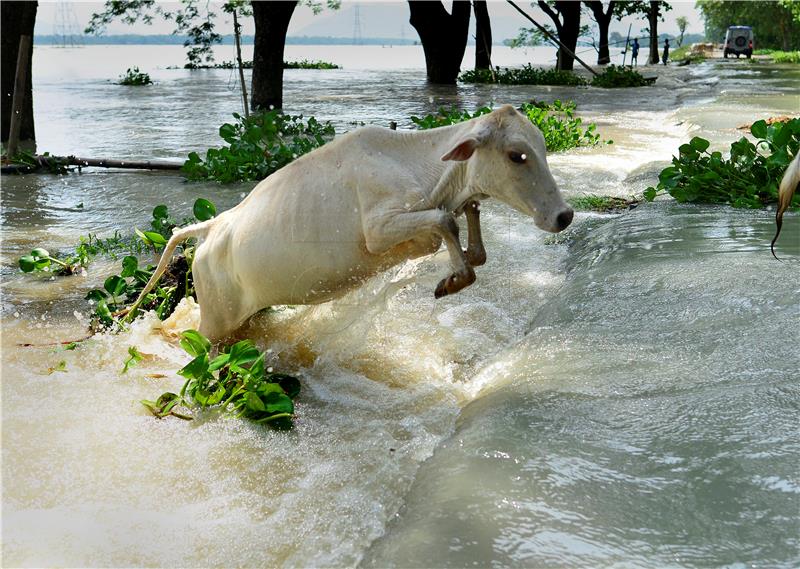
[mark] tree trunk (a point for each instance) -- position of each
(16, 19)
(443, 37)
(483, 35)
(567, 19)
(652, 16)
(272, 22)
(603, 22)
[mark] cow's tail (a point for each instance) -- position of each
(178, 236)
(788, 187)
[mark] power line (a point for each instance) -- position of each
(66, 28)
(357, 39)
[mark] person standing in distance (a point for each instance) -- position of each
(635, 53)
(665, 55)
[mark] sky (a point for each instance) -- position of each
(377, 18)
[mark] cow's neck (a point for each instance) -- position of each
(446, 182)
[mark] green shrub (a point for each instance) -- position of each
(748, 178)
(306, 64)
(526, 75)
(134, 77)
(557, 121)
(785, 56)
(258, 146)
(615, 76)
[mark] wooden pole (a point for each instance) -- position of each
(627, 42)
(552, 37)
(18, 99)
(48, 162)
(110, 163)
(237, 37)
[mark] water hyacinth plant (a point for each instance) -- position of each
(748, 178)
(236, 382)
(258, 146)
(525, 75)
(617, 76)
(557, 121)
(134, 77)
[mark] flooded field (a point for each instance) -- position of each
(625, 394)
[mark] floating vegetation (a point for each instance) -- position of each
(134, 77)
(617, 76)
(557, 121)
(602, 204)
(749, 178)
(236, 382)
(302, 64)
(258, 146)
(525, 75)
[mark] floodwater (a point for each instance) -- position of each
(624, 394)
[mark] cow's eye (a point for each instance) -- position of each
(517, 158)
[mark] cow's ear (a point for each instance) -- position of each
(462, 151)
(466, 146)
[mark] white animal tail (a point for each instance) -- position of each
(789, 184)
(178, 236)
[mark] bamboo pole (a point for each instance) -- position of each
(18, 99)
(112, 163)
(627, 42)
(237, 37)
(552, 37)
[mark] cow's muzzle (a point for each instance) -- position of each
(564, 219)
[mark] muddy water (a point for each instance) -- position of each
(615, 396)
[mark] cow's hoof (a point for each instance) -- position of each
(454, 283)
(441, 289)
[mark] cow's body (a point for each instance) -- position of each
(364, 202)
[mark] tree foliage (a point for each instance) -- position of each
(775, 24)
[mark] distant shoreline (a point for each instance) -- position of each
(168, 39)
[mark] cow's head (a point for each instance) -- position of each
(506, 159)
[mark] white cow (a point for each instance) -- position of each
(362, 203)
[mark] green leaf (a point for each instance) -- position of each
(254, 402)
(135, 358)
(204, 210)
(129, 266)
(196, 369)
(40, 253)
(242, 353)
(155, 238)
(699, 144)
(195, 343)
(759, 129)
(278, 403)
(27, 264)
(217, 395)
(218, 362)
(160, 212)
(227, 131)
(115, 285)
(96, 294)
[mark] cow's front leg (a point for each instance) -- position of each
(475, 253)
(389, 230)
